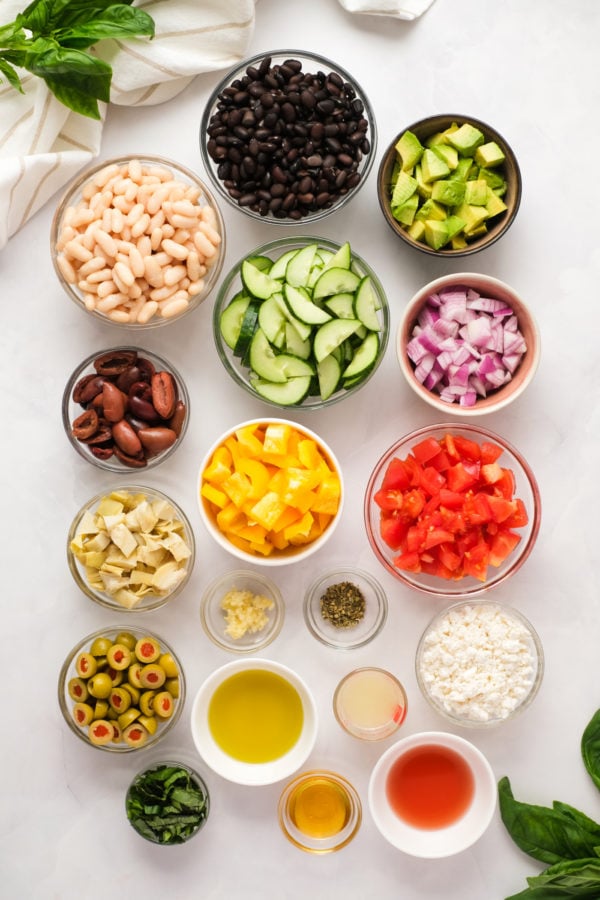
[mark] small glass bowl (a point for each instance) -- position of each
(237, 367)
(475, 631)
(312, 63)
(153, 599)
(135, 314)
(312, 788)
(486, 286)
(66, 701)
(526, 488)
(294, 552)
(214, 617)
(139, 826)
(424, 129)
(370, 703)
(72, 410)
(348, 637)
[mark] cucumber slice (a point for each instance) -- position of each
(366, 305)
(364, 357)
(331, 335)
(264, 263)
(294, 344)
(289, 394)
(302, 307)
(329, 373)
(230, 321)
(248, 327)
(302, 328)
(298, 268)
(258, 283)
(280, 265)
(272, 321)
(335, 281)
(341, 259)
(263, 360)
(342, 306)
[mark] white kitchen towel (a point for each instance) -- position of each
(399, 9)
(43, 144)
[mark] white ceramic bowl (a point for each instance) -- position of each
(433, 843)
(238, 770)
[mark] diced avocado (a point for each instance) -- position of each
(436, 233)
(417, 230)
(463, 169)
(473, 216)
(423, 190)
(489, 155)
(436, 139)
(455, 225)
(476, 192)
(466, 139)
(406, 212)
(494, 204)
(432, 167)
(410, 150)
(477, 232)
(458, 242)
(405, 186)
(450, 193)
(494, 179)
(448, 154)
(431, 210)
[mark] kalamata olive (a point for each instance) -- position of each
(114, 402)
(126, 438)
(85, 425)
(113, 362)
(164, 394)
(87, 388)
(140, 403)
(155, 440)
(178, 418)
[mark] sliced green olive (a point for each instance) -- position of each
(163, 705)
(119, 656)
(100, 685)
(126, 638)
(86, 665)
(147, 650)
(146, 702)
(83, 713)
(133, 674)
(135, 735)
(167, 662)
(100, 646)
(129, 716)
(133, 691)
(77, 689)
(120, 699)
(150, 723)
(100, 732)
(153, 676)
(101, 709)
(172, 685)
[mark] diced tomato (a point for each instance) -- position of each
(467, 449)
(448, 557)
(491, 473)
(431, 506)
(426, 450)
(441, 462)
(389, 499)
(501, 508)
(393, 531)
(451, 499)
(437, 536)
(477, 510)
(414, 501)
(519, 517)
(432, 481)
(413, 470)
(503, 544)
(459, 479)
(396, 477)
(506, 485)
(409, 562)
(415, 537)
(490, 453)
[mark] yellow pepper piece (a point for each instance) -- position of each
(249, 442)
(213, 495)
(237, 487)
(268, 509)
(257, 473)
(229, 516)
(277, 436)
(217, 470)
(295, 533)
(328, 495)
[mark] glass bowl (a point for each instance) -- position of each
(498, 225)
(445, 790)
(251, 617)
(465, 670)
(254, 721)
(319, 811)
(96, 703)
(132, 251)
(489, 288)
(139, 382)
(149, 799)
(355, 634)
(370, 703)
(242, 323)
(470, 576)
(112, 568)
(263, 140)
(295, 487)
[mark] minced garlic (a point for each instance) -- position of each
(245, 612)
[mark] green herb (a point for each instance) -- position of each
(343, 605)
(561, 836)
(166, 804)
(50, 38)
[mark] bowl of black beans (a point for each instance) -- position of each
(288, 136)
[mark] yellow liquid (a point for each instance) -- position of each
(255, 716)
(319, 807)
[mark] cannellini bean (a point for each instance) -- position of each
(120, 316)
(154, 272)
(211, 232)
(163, 293)
(204, 247)
(106, 287)
(140, 226)
(100, 275)
(148, 310)
(66, 269)
(106, 242)
(110, 302)
(174, 274)
(174, 307)
(136, 262)
(174, 249)
(76, 250)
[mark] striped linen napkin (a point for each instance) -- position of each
(399, 9)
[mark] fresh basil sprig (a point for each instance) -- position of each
(561, 836)
(50, 39)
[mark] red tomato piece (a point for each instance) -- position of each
(437, 536)
(414, 501)
(490, 453)
(506, 485)
(519, 517)
(426, 450)
(501, 508)
(448, 557)
(408, 562)
(503, 543)
(467, 449)
(396, 476)
(389, 499)
(451, 499)
(458, 478)
(491, 473)
(432, 481)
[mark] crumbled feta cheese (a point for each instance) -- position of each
(478, 662)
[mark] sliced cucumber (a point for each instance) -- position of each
(289, 394)
(302, 328)
(366, 305)
(247, 330)
(301, 306)
(264, 263)
(298, 268)
(278, 268)
(329, 373)
(272, 321)
(294, 344)
(335, 281)
(258, 283)
(230, 322)
(331, 335)
(263, 359)
(364, 357)
(341, 259)
(342, 306)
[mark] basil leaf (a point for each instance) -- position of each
(584, 821)
(75, 78)
(7, 70)
(37, 16)
(590, 748)
(114, 22)
(542, 832)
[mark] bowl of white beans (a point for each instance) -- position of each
(138, 241)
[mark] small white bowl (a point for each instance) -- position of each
(238, 770)
(434, 843)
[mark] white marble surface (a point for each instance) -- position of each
(530, 69)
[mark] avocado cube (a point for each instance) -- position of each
(431, 210)
(436, 139)
(466, 139)
(436, 233)
(432, 167)
(480, 231)
(489, 155)
(476, 192)
(404, 187)
(417, 230)
(405, 213)
(423, 190)
(409, 149)
(493, 179)
(458, 242)
(455, 226)
(473, 216)
(448, 154)
(450, 193)
(462, 170)
(494, 204)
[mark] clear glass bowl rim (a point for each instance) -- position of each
(276, 620)
(349, 572)
(170, 760)
(320, 845)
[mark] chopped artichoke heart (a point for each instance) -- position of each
(162, 509)
(109, 506)
(140, 577)
(88, 523)
(98, 542)
(168, 576)
(112, 583)
(151, 558)
(123, 538)
(127, 598)
(143, 518)
(177, 547)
